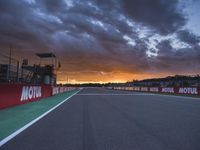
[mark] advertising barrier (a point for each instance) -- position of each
(170, 90)
(17, 94)
(61, 89)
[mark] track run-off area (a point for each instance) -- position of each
(100, 119)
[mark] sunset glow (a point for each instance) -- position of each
(105, 41)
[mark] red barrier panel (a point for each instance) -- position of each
(154, 89)
(189, 90)
(16, 94)
(170, 90)
(61, 89)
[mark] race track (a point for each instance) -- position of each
(100, 119)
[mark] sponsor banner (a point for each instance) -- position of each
(129, 88)
(31, 92)
(144, 89)
(61, 89)
(16, 94)
(110, 88)
(154, 89)
(136, 88)
(168, 90)
(188, 90)
(172, 90)
(119, 88)
(115, 88)
(55, 90)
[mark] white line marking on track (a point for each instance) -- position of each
(110, 94)
(8, 138)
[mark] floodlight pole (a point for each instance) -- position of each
(9, 68)
(17, 71)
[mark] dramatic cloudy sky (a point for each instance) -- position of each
(106, 40)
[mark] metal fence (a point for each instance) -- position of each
(9, 69)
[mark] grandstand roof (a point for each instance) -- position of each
(45, 55)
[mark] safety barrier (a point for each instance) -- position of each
(57, 89)
(17, 94)
(172, 90)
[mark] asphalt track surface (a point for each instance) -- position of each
(99, 119)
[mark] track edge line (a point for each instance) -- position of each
(14, 134)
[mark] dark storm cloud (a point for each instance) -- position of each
(91, 32)
(53, 5)
(182, 60)
(188, 37)
(162, 15)
(23, 24)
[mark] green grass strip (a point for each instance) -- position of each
(12, 119)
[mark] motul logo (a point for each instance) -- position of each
(168, 90)
(154, 89)
(136, 88)
(55, 90)
(144, 89)
(188, 91)
(30, 92)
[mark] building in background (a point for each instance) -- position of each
(171, 81)
(12, 72)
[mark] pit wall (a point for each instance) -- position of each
(17, 94)
(169, 90)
